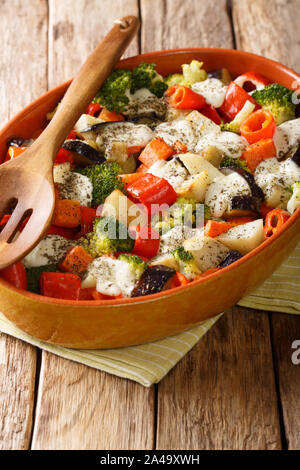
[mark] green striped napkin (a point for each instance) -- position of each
(149, 363)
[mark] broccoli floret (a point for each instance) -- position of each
(234, 163)
(104, 178)
(185, 211)
(191, 73)
(34, 275)
(112, 94)
(145, 76)
(108, 236)
(231, 127)
(186, 261)
(278, 100)
(136, 262)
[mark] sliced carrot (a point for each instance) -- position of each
(240, 220)
(256, 153)
(76, 261)
(179, 147)
(134, 149)
(178, 279)
(14, 152)
(214, 228)
(67, 213)
(157, 149)
(110, 115)
(130, 178)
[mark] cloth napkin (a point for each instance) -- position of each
(149, 363)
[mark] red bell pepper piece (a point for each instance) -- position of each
(211, 113)
(72, 135)
(146, 243)
(14, 152)
(274, 220)
(93, 109)
(69, 233)
(179, 147)
(60, 285)
(234, 101)
(254, 80)
(15, 274)
(87, 217)
(151, 190)
(182, 97)
(259, 125)
(178, 280)
(64, 156)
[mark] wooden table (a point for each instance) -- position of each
(238, 388)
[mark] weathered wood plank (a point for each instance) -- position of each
(23, 77)
(168, 24)
(78, 407)
(286, 340)
(268, 28)
(75, 28)
(272, 29)
(82, 408)
(222, 395)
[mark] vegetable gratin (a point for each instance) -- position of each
(163, 181)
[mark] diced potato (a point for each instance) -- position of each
(119, 206)
(166, 260)
(116, 152)
(208, 252)
(195, 187)
(202, 124)
(213, 155)
(129, 166)
(195, 163)
(245, 237)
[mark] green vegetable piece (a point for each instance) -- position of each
(229, 162)
(145, 76)
(278, 100)
(105, 180)
(34, 274)
(136, 262)
(186, 261)
(231, 127)
(108, 236)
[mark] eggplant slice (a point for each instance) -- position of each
(84, 153)
(153, 280)
(243, 206)
(230, 258)
(296, 157)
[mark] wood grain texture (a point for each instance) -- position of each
(75, 28)
(269, 28)
(169, 24)
(17, 377)
(272, 29)
(222, 395)
(24, 41)
(82, 408)
(79, 407)
(286, 343)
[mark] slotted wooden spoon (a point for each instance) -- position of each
(26, 183)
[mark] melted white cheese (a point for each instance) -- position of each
(73, 185)
(50, 250)
(212, 89)
(172, 171)
(229, 143)
(128, 132)
(287, 137)
(179, 129)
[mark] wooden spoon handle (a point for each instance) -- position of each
(87, 83)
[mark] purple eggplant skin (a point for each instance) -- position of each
(153, 280)
(90, 155)
(296, 156)
(230, 258)
(245, 203)
(256, 191)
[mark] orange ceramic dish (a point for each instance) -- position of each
(123, 322)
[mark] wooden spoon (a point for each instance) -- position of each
(26, 183)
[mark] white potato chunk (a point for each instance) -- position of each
(195, 186)
(196, 164)
(245, 237)
(207, 251)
